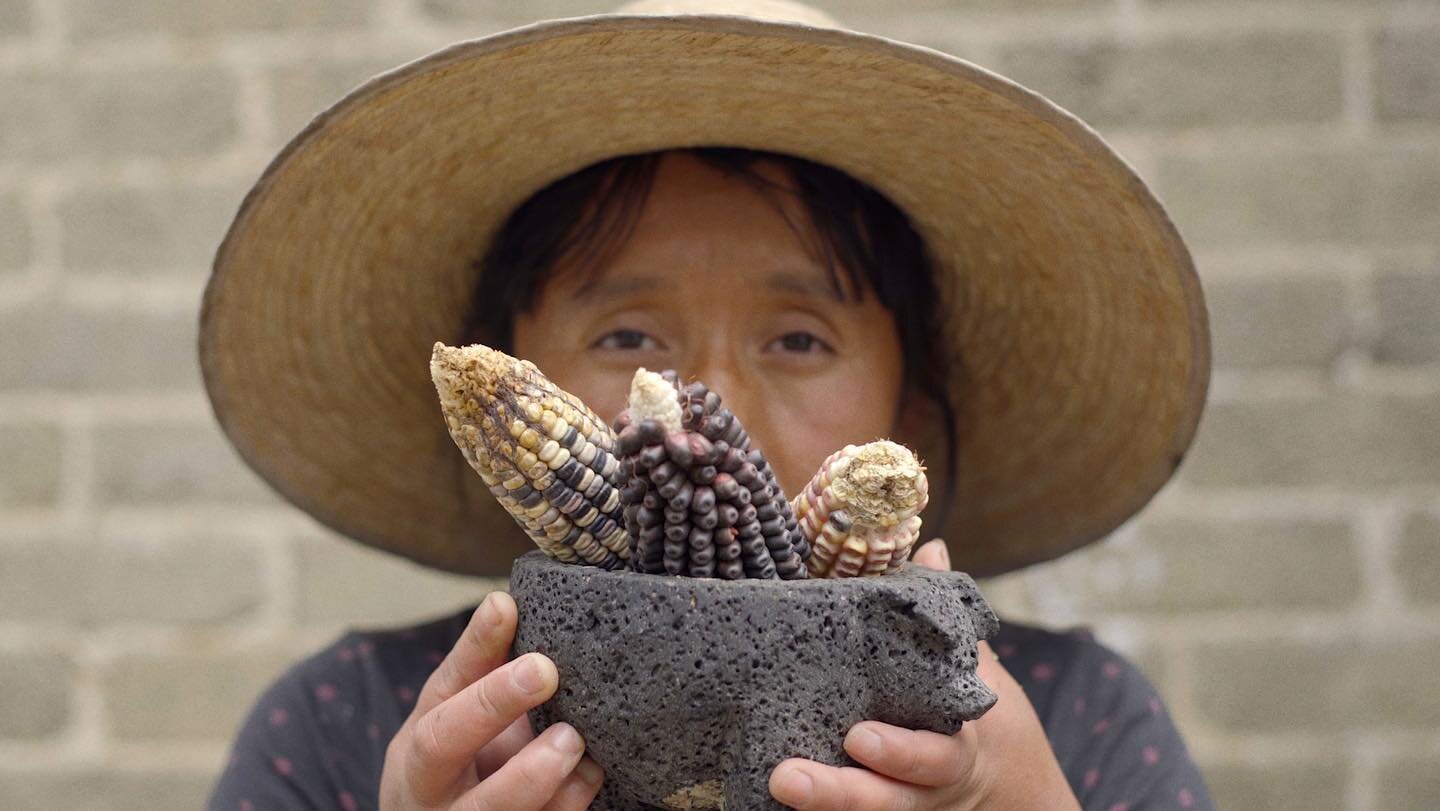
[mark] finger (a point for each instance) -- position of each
(503, 747)
(579, 788)
(806, 784)
(445, 741)
(533, 777)
(993, 673)
(483, 646)
(934, 555)
(911, 756)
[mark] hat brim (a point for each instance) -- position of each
(1073, 304)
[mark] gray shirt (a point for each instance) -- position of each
(316, 738)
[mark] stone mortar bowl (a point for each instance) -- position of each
(689, 691)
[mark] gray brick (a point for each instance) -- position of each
(302, 91)
(198, 18)
(37, 695)
(1257, 558)
(30, 474)
(140, 692)
(16, 18)
(15, 236)
(167, 230)
(159, 112)
(507, 14)
(204, 579)
(1185, 81)
(1321, 687)
(1402, 202)
(105, 791)
(1408, 300)
(1311, 786)
(1407, 74)
(1347, 439)
(1283, 320)
(1417, 558)
(58, 345)
(1409, 782)
(346, 584)
(1245, 196)
(172, 462)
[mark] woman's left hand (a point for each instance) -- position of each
(1002, 761)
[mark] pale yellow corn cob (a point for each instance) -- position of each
(542, 452)
(860, 512)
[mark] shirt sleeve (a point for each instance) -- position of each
(1115, 741)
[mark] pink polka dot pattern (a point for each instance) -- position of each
(321, 731)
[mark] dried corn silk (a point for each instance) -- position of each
(699, 501)
(860, 512)
(542, 452)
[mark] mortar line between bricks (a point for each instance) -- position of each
(253, 106)
(1364, 782)
(1357, 97)
(1376, 529)
(78, 463)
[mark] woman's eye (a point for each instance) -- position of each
(803, 342)
(626, 339)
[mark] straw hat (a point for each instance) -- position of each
(1072, 299)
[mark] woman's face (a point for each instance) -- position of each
(714, 284)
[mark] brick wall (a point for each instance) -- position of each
(1282, 592)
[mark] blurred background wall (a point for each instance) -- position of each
(1284, 592)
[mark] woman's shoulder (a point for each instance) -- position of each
(1106, 722)
(320, 730)
(1071, 677)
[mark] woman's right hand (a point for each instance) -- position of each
(468, 745)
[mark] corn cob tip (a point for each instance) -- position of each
(653, 397)
(540, 450)
(881, 483)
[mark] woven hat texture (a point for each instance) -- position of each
(1073, 303)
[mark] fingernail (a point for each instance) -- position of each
(796, 786)
(489, 614)
(944, 552)
(567, 740)
(527, 675)
(864, 742)
(590, 771)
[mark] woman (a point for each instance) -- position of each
(809, 300)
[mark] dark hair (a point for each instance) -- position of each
(855, 230)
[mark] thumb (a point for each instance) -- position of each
(934, 555)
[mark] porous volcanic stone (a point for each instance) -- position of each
(689, 691)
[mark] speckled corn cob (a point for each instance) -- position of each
(542, 452)
(861, 510)
(699, 501)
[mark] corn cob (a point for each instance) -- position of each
(541, 451)
(699, 501)
(861, 510)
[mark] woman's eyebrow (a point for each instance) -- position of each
(605, 289)
(803, 284)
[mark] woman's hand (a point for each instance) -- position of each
(1001, 761)
(467, 744)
